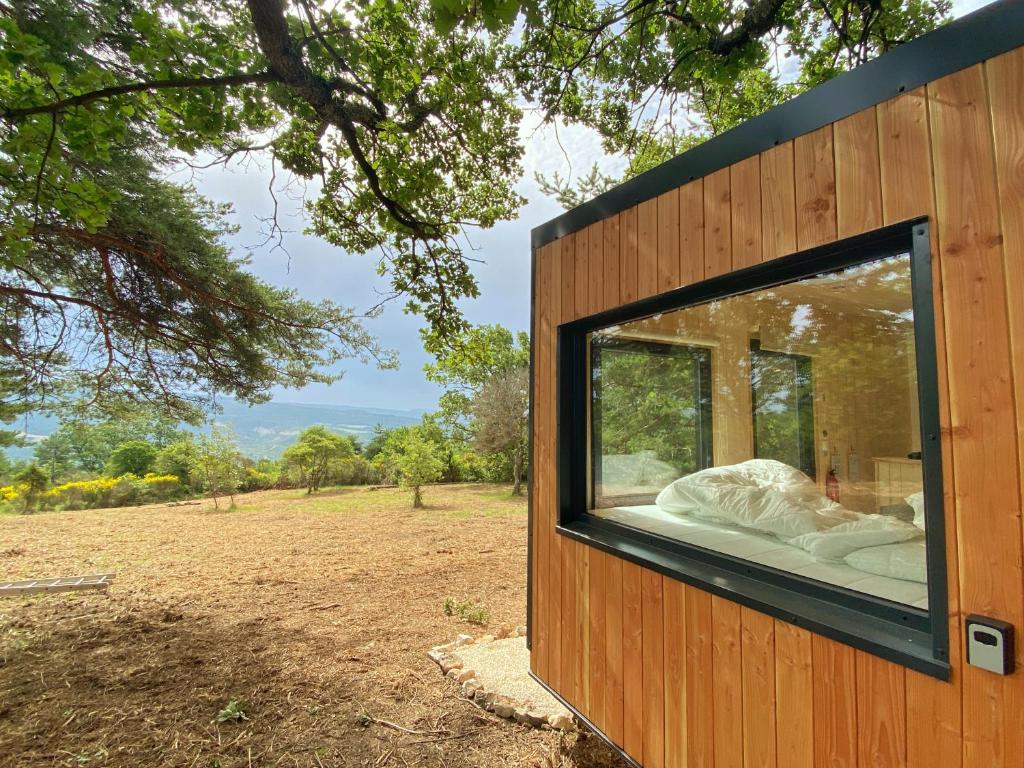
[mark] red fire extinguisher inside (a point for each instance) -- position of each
(832, 485)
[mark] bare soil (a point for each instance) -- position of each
(313, 612)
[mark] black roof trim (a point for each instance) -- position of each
(988, 32)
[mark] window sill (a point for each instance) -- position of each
(859, 621)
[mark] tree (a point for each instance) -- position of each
(654, 78)
(34, 480)
(178, 459)
(501, 412)
(86, 445)
(315, 453)
(135, 457)
(418, 464)
(407, 135)
(464, 363)
(218, 464)
(481, 357)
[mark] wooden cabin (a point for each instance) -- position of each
(778, 429)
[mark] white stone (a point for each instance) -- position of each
(561, 723)
(467, 674)
(502, 709)
(463, 640)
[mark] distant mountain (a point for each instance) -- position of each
(266, 430)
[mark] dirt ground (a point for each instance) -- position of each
(313, 612)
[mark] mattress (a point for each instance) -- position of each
(765, 550)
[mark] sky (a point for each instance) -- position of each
(318, 270)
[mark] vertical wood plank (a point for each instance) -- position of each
(835, 703)
(727, 654)
(614, 617)
(778, 202)
(794, 697)
(858, 174)
(674, 593)
(717, 224)
(653, 668)
(907, 192)
(881, 713)
(567, 623)
(612, 261)
(596, 638)
(647, 249)
(632, 662)
(668, 240)
(758, 657)
(581, 640)
(581, 277)
(628, 255)
(700, 684)
(595, 267)
(691, 232)
(745, 199)
(814, 168)
(984, 441)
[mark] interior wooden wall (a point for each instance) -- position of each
(678, 677)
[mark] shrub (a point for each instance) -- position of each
(254, 479)
(355, 471)
(110, 492)
(134, 457)
(177, 459)
(161, 487)
(469, 611)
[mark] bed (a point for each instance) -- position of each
(771, 514)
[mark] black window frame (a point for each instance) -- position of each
(804, 404)
(702, 395)
(909, 636)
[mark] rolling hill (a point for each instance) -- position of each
(267, 429)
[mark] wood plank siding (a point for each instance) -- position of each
(676, 677)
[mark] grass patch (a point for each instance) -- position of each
(468, 610)
(234, 711)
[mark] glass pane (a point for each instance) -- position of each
(780, 426)
(652, 414)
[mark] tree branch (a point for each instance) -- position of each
(242, 78)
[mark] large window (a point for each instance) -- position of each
(761, 434)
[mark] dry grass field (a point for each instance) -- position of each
(313, 612)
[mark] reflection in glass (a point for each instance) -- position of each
(779, 425)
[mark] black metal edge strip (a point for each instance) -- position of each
(981, 35)
(926, 352)
(887, 639)
(586, 722)
(530, 473)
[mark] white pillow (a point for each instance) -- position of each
(898, 561)
(916, 501)
(760, 494)
(869, 531)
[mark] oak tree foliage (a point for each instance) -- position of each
(115, 282)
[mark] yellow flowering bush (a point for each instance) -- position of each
(110, 491)
(12, 492)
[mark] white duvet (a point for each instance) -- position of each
(776, 499)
